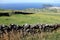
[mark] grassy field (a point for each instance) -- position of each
(50, 18)
(31, 19)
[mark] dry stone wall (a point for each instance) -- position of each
(15, 32)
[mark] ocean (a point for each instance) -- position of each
(21, 6)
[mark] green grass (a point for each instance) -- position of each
(31, 19)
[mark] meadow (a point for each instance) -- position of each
(43, 17)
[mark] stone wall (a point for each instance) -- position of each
(16, 32)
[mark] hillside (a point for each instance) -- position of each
(42, 16)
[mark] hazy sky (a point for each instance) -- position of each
(29, 1)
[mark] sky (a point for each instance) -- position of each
(29, 1)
